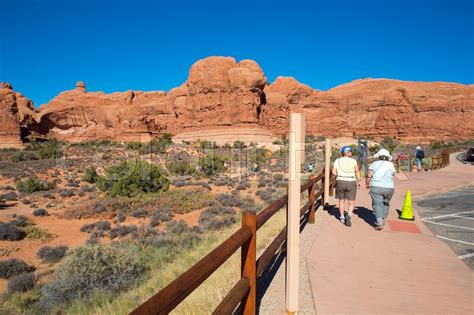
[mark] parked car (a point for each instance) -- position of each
(470, 154)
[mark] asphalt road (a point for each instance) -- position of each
(450, 216)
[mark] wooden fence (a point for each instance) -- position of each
(438, 161)
(244, 292)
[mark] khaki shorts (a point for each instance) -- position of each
(346, 189)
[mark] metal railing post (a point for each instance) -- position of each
(249, 263)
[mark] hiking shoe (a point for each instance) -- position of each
(341, 218)
(379, 227)
(348, 219)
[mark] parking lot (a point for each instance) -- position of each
(450, 216)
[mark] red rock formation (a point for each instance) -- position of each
(222, 92)
(14, 109)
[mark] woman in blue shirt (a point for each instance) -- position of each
(380, 175)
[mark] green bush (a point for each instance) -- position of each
(46, 150)
(211, 165)
(109, 269)
(132, 178)
(33, 184)
(134, 145)
(90, 175)
(24, 156)
(238, 144)
(158, 145)
(258, 155)
(180, 167)
(389, 143)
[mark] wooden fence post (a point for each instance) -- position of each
(311, 200)
(249, 263)
(327, 171)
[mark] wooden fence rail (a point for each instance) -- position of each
(243, 293)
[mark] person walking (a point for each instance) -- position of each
(347, 175)
(420, 155)
(381, 185)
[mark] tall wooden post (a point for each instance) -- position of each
(249, 264)
(327, 170)
(311, 199)
(296, 153)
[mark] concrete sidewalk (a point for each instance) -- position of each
(402, 269)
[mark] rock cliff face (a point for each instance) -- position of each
(222, 92)
(14, 109)
(375, 107)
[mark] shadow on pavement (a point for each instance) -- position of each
(366, 215)
(266, 278)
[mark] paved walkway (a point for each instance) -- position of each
(403, 269)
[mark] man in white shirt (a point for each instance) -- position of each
(347, 182)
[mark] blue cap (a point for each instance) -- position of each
(345, 149)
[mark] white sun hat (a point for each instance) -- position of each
(383, 152)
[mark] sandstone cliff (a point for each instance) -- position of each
(221, 92)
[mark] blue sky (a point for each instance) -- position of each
(46, 46)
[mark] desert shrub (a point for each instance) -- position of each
(109, 269)
(217, 217)
(176, 227)
(48, 195)
(183, 200)
(11, 232)
(96, 226)
(98, 207)
(134, 145)
(258, 155)
(132, 178)
(72, 184)
(180, 167)
(179, 183)
(88, 228)
(122, 231)
(265, 195)
(33, 184)
(158, 145)
(21, 283)
(160, 215)
(50, 254)
(389, 143)
(211, 165)
(24, 156)
(139, 213)
(90, 175)
(243, 184)
(238, 144)
(26, 201)
(50, 150)
(9, 196)
(85, 189)
(229, 200)
(66, 193)
(225, 182)
(20, 220)
(121, 217)
(40, 212)
(13, 267)
(36, 233)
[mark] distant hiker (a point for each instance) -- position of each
(310, 167)
(347, 181)
(380, 175)
(420, 155)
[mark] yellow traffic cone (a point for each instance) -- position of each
(407, 212)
